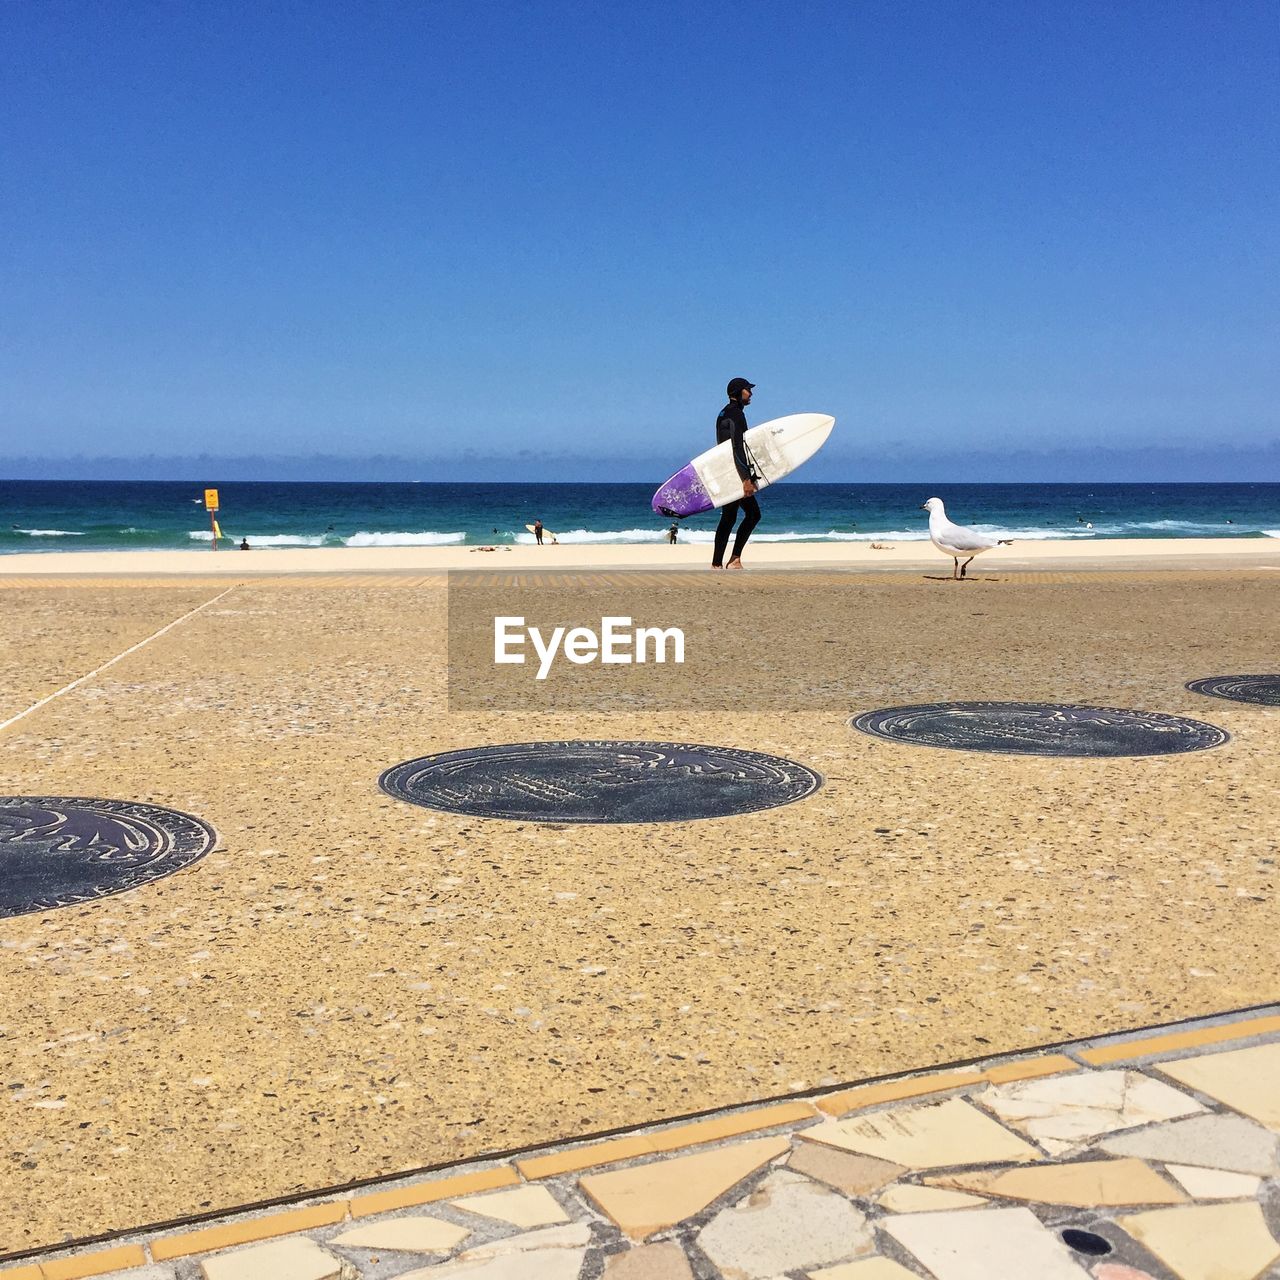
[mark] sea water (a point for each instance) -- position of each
(52, 516)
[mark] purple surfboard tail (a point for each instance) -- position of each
(682, 495)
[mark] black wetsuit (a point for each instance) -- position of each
(730, 425)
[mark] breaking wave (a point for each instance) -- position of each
(428, 538)
(260, 540)
(282, 540)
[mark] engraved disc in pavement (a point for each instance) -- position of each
(57, 851)
(600, 781)
(1041, 729)
(1264, 690)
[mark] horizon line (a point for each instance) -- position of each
(315, 480)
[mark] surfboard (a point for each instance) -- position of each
(711, 479)
(546, 533)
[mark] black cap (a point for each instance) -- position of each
(737, 386)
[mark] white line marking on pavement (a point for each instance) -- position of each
(35, 706)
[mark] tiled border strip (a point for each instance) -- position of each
(1024, 1065)
(1122, 1052)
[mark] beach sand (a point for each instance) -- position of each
(349, 985)
(1077, 553)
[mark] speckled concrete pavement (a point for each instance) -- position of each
(348, 986)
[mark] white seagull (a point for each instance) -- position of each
(956, 540)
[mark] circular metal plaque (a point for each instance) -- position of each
(1040, 729)
(600, 781)
(1264, 690)
(57, 851)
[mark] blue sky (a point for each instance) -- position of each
(445, 230)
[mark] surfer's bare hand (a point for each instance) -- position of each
(748, 488)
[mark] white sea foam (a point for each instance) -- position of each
(709, 536)
(598, 535)
(789, 536)
(706, 534)
(881, 535)
(1272, 533)
(282, 540)
(1197, 526)
(1032, 535)
(204, 535)
(50, 533)
(429, 538)
(619, 536)
(922, 534)
(260, 540)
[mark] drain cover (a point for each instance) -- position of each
(1040, 729)
(1086, 1242)
(600, 781)
(1264, 690)
(56, 851)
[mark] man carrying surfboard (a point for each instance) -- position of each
(731, 425)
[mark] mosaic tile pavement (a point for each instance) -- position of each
(1148, 1157)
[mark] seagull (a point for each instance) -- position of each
(955, 540)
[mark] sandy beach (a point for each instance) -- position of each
(349, 985)
(1076, 554)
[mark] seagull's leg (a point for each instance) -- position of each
(955, 572)
(964, 566)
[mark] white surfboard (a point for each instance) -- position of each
(777, 448)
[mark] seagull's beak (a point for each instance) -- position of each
(923, 507)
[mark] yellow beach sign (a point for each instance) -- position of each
(211, 506)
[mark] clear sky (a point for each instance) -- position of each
(450, 230)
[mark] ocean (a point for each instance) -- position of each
(53, 516)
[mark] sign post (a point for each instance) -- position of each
(211, 506)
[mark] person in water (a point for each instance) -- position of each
(244, 544)
(731, 425)
(673, 533)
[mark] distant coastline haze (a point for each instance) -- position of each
(1172, 464)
